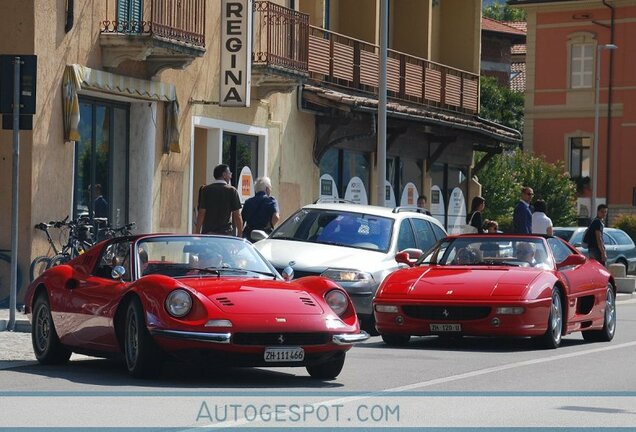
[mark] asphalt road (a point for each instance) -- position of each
(471, 382)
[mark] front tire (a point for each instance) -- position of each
(46, 344)
(606, 334)
(143, 357)
(327, 370)
(553, 335)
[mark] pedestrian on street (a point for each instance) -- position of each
(522, 217)
(541, 223)
(474, 217)
(260, 212)
(594, 236)
(220, 206)
(421, 205)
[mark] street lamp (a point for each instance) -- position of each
(597, 107)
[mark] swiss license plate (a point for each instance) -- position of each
(288, 354)
(446, 327)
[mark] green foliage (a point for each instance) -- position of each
(503, 12)
(627, 223)
(500, 104)
(504, 175)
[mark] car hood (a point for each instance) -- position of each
(317, 257)
(466, 283)
(255, 296)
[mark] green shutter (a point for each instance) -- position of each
(129, 16)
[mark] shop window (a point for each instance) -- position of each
(101, 162)
(240, 151)
(343, 165)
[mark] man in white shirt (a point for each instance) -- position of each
(541, 223)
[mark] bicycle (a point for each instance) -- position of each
(43, 262)
(80, 239)
(5, 275)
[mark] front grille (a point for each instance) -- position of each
(447, 313)
(299, 273)
(275, 338)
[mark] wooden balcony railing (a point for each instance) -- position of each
(284, 38)
(181, 21)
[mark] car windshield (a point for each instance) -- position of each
(490, 251)
(199, 256)
(565, 234)
(349, 229)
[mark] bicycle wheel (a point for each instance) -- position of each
(38, 266)
(59, 259)
(5, 278)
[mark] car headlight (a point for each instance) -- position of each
(179, 303)
(337, 301)
(339, 275)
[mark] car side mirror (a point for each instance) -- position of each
(572, 260)
(257, 235)
(118, 272)
(408, 256)
(288, 273)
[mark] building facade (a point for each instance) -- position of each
(580, 96)
(144, 98)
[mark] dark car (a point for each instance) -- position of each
(619, 246)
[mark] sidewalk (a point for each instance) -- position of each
(22, 323)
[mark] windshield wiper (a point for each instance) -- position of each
(285, 238)
(242, 270)
(335, 243)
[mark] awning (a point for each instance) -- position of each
(77, 78)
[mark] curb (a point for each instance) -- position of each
(21, 326)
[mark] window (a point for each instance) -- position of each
(240, 151)
(343, 165)
(115, 254)
(580, 157)
(101, 162)
(622, 238)
(406, 238)
(129, 16)
(559, 250)
(423, 234)
(581, 65)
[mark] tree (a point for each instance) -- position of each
(503, 177)
(503, 12)
(500, 104)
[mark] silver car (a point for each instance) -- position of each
(354, 245)
(619, 246)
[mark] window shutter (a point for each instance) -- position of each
(129, 15)
(136, 7)
(122, 15)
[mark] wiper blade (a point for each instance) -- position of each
(334, 243)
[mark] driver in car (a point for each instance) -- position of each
(525, 253)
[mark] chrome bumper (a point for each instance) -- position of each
(349, 338)
(221, 338)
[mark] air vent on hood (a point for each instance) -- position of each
(225, 301)
(307, 301)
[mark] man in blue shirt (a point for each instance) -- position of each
(260, 212)
(522, 217)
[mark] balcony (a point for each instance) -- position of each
(289, 50)
(171, 39)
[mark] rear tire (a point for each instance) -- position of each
(553, 335)
(39, 266)
(327, 370)
(46, 344)
(396, 340)
(59, 259)
(608, 331)
(143, 357)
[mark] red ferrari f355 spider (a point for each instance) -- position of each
(147, 297)
(498, 285)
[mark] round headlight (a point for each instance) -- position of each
(178, 303)
(337, 301)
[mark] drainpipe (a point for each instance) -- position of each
(609, 105)
(70, 9)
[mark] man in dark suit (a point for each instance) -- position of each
(522, 217)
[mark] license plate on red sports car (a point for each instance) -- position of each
(288, 354)
(446, 327)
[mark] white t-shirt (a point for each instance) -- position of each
(540, 223)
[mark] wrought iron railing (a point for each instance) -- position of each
(280, 37)
(284, 38)
(177, 20)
